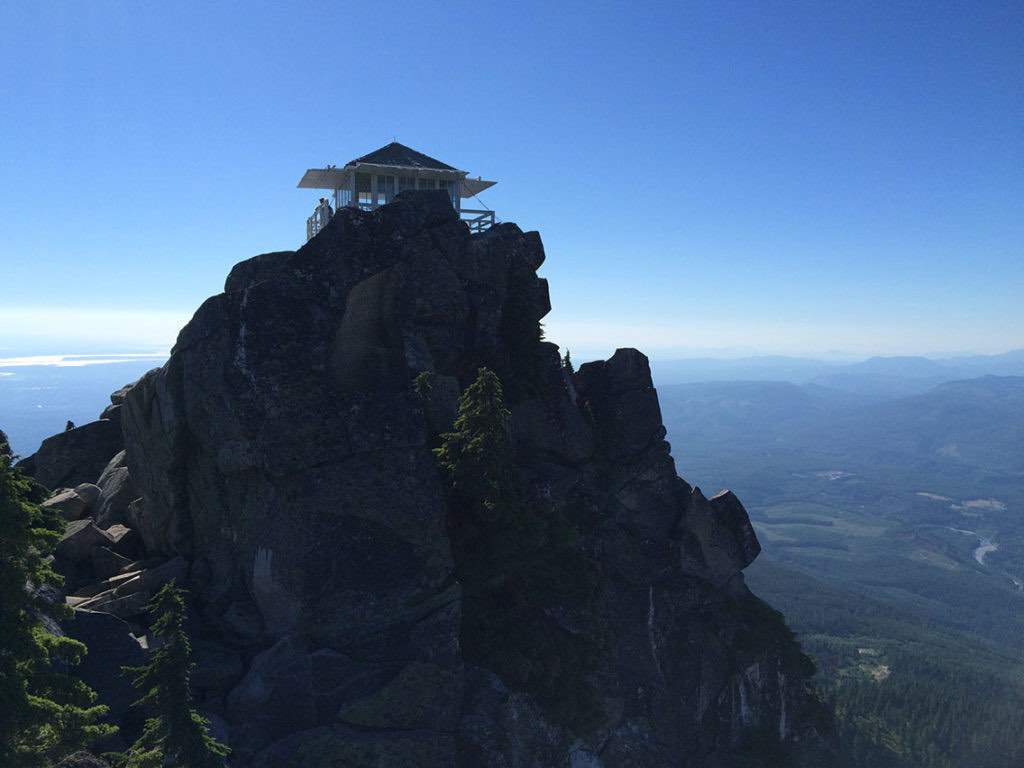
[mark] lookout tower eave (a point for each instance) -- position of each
(343, 178)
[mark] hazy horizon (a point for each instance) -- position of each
(12, 356)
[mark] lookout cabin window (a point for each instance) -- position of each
(406, 182)
(364, 194)
(422, 183)
(449, 187)
(385, 189)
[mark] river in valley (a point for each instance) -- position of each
(985, 545)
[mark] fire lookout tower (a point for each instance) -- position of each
(374, 179)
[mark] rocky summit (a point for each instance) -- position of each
(281, 466)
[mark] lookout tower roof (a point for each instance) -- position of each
(400, 156)
(397, 160)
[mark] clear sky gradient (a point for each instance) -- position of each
(756, 177)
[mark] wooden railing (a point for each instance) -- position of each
(478, 221)
(314, 224)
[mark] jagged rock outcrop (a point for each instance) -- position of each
(76, 455)
(74, 463)
(282, 457)
(74, 503)
(115, 492)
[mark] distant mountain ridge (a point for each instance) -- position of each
(875, 377)
(976, 422)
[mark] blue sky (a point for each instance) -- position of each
(742, 177)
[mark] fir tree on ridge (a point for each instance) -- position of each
(567, 362)
(176, 736)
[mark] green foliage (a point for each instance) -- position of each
(477, 455)
(515, 561)
(176, 737)
(44, 714)
(906, 694)
(423, 384)
(927, 716)
(567, 362)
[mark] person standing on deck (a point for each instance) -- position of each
(324, 211)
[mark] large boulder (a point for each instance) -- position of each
(117, 397)
(127, 593)
(123, 540)
(275, 697)
(75, 456)
(112, 413)
(116, 492)
(74, 503)
(80, 538)
(155, 577)
(106, 562)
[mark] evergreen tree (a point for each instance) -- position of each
(567, 362)
(176, 737)
(423, 385)
(44, 713)
(476, 455)
(516, 560)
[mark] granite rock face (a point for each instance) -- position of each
(75, 456)
(115, 492)
(74, 503)
(283, 453)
